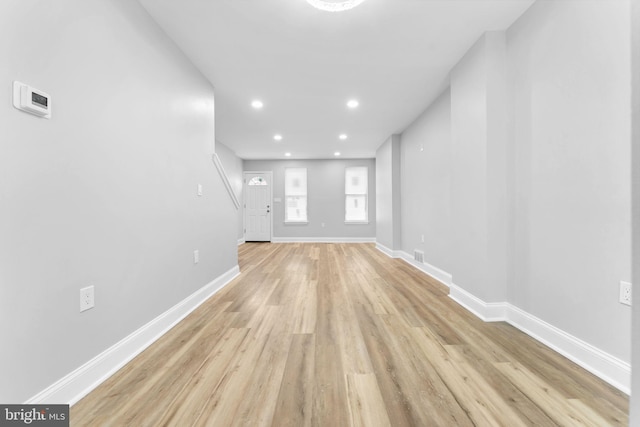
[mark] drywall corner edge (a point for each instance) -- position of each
(431, 270)
(487, 312)
(385, 250)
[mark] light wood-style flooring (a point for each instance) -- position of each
(339, 335)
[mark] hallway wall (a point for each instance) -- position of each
(104, 193)
(426, 184)
(635, 213)
(388, 197)
(536, 175)
(569, 64)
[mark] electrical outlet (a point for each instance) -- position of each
(625, 293)
(86, 298)
(422, 238)
(199, 189)
(196, 256)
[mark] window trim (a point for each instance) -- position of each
(366, 197)
(306, 197)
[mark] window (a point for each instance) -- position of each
(356, 187)
(257, 180)
(295, 194)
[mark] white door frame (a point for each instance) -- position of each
(244, 201)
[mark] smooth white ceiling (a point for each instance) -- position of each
(394, 56)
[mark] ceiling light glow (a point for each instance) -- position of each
(353, 103)
(287, 154)
(277, 137)
(342, 136)
(334, 5)
(337, 154)
(257, 104)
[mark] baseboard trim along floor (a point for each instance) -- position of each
(74, 386)
(600, 363)
(323, 240)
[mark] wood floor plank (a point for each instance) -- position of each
(570, 379)
(330, 400)
(295, 400)
(412, 389)
(305, 308)
(365, 401)
(314, 334)
(588, 412)
(375, 295)
(221, 406)
(355, 357)
(612, 415)
(179, 367)
(383, 359)
(264, 380)
(558, 408)
(186, 407)
(528, 411)
(132, 383)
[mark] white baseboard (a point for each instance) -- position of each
(430, 270)
(488, 312)
(241, 241)
(605, 366)
(323, 240)
(385, 250)
(433, 271)
(79, 383)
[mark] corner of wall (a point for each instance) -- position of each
(635, 253)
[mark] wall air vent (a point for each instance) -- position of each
(418, 256)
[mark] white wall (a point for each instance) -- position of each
(388, 206)
(326, 199)
(426, 184)
(537, 176)
(635, 162)
(570, 68)
(232, 165)
(104, 193)
(478, 170)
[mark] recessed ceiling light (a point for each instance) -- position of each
(337, 154)
(353, 103)
(342, 136)
(287, 154)
(277, 137)
(334, 5)
(257, 104)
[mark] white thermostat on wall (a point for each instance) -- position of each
(31, 100)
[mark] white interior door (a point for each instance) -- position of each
(257, 206)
